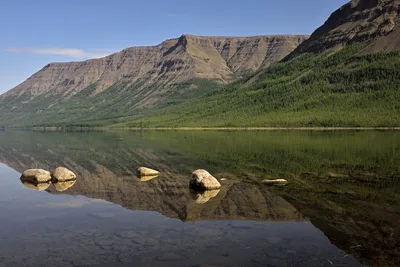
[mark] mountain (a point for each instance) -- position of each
(346, 74)
(139, 77)
(373, 21)
(164, 66)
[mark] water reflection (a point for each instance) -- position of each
(346, 184)
(201, 197)
(35, 186)
(147, 178)
(62, 186)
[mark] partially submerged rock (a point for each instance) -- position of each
(62, 174)
(202, 197)
(36, 176)
(276, 181)
(147, 178)
(63, 186)
(143, 171)
(203, 180)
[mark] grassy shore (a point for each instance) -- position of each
(210, 129)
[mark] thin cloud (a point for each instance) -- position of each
(174, 15)
(67, 52)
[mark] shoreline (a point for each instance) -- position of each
(112, 129)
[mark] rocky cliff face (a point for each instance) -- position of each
(373, 21)
(172, 62)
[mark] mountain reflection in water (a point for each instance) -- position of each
(345, 183)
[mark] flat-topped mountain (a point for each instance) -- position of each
(345, 75)
(373, 21)
(170, 63)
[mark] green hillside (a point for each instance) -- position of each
(109, 107)
(343, 88)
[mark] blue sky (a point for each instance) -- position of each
(34, 33)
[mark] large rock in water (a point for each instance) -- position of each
(203, 180)
(36, 175)
(143, 171)
(63, 174)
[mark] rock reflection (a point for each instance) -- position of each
(345, 183)
(147, 178)
(63, 186)
(35, 186)
(59, 186)
(201, 197)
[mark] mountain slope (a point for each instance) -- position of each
(139, 77)
(373, 21)
(172, 62)
(346, 74)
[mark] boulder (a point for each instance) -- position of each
(63, 186)
(201, 197)
(143, 171)
(203, 180)
(276, 181)
(36, 176)
(63, 174)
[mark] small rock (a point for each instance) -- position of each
(204, 196)
(36, 175)
(202, 179)
(143, 171)
(276, 181)
(63, 186)
(224, 179)
(63, 174)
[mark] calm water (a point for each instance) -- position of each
(340, 208)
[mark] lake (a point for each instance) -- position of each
(341, 206)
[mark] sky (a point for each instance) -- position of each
(35, 33)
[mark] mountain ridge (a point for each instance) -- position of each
(358, 21)
(171, 62)
(345, 75)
